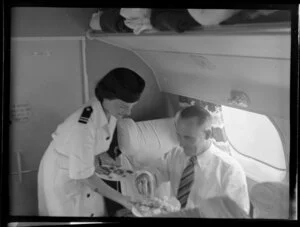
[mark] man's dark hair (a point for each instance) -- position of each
(202, 114)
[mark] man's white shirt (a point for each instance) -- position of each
(216, 174)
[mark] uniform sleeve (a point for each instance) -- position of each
(235, 186)
(81, 151)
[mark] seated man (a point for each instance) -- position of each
(196, 169)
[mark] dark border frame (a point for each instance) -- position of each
(5, 85)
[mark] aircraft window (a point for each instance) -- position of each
(256, 143)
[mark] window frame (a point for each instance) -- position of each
(282, 139)
(255, 159)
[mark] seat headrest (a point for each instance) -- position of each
(146, 140)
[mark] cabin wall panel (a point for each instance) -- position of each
(46, 86)
(102, 57)
(49, 21)
(212, 78)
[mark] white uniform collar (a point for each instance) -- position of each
(101, 118)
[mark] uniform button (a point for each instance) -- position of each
(88, 195)
(92, 215)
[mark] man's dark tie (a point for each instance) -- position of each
(186, 182)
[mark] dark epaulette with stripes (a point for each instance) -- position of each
(86, 114)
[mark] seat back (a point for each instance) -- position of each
(270, 200)
(143, 142)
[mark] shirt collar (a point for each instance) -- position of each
(204, 157)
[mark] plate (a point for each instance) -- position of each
(136, 212)
(113, 173)
(149, 207)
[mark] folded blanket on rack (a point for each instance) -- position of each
(95, 21)
(137, 19)
(112, 21)
(178, 20)
(211, 17)
(258, 16)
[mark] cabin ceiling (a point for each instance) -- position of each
(49, 21)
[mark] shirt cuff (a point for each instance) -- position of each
(82, 174)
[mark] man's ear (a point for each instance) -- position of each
(208, 134)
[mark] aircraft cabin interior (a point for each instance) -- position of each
(235, 64)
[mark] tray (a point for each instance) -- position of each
(113, 173)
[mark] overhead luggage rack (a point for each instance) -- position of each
(277, 28)
(270, 40)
